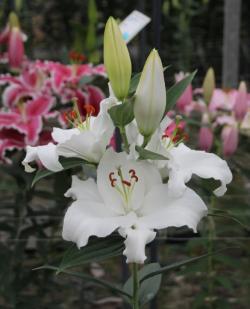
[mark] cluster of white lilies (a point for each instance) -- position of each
(131, 195)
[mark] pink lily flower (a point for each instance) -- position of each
(222, 100)
(26, 119)
(206, 138)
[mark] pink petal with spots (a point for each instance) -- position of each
(99, 70)
(33, 129)
(12, 94)
(84, 70)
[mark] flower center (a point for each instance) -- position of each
(174, 134)
(124, 186)
(74, 117)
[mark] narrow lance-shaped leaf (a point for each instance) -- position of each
(149, 155)
(174, 93)
(97, 250)
(89, 278)
(181, 263)
(67, 163)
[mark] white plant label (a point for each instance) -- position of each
(133, 24)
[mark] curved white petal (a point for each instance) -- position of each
(46, 154)
(84, 145)
(61, 135)
(162, 209)
(136, 240)
(184, 162)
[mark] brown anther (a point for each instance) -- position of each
(112, 179)
(133, 175)
(127, 183)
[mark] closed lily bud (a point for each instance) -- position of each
(230, 138)
(206, 138)
(241, 104)
(15, 44)
(208, 85)
(150, 96)
(116, 59)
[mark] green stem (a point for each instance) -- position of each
(145, 141)
(135, 286)
(124, 139)
(211, 235)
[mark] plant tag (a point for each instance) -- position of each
(133, 24)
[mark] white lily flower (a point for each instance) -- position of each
(129, 196)
(88, 141)
(183, 162)
(150, 96)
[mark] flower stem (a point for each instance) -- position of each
(124, 139)
(135, 286)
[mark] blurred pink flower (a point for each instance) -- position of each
(230, 139)
(222, 100)
(26, 119)
(241, 102)
(206, 138)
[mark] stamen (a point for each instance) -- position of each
(90, 110)
(127, 183)
(112, 180)
(124, 187)
(133, 175)
(77, 58)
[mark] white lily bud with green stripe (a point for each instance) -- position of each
(150, 96)
(116, 59)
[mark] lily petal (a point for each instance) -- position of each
(136, 240)
(162, 209)
(46, 154)
(184, 162)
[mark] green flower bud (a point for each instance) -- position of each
(150, 96)
(116, 59)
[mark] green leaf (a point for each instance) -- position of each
(149, 288)
(97, 250)
(177, 90)
(122, 114)
(67, 163)
(134, 83)
(149, 155)
(86, 277)
(229, 217)
(182, 263)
